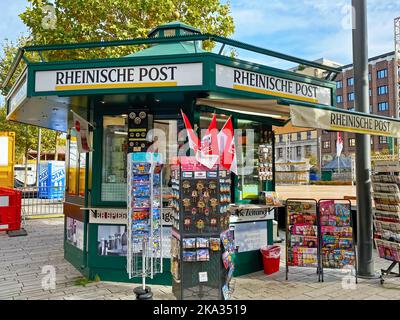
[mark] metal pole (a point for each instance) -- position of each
(363, 142)
(38, 156)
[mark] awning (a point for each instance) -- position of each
(308, 115)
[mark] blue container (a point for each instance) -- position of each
(314, 177)
(52, 180)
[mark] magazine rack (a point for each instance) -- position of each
(337, 249)
(386, 186)
(302, 235)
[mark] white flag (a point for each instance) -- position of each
(82, 133)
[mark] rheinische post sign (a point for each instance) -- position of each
(342, 121)
(170, 75)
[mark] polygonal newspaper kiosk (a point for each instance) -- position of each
(172, 74)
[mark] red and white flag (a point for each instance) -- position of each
(82, 133)
(339, 144)
(226, 140)
(194, 142)
(209, 149)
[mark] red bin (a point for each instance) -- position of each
(271, 258)
(10, 209)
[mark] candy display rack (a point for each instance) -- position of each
(201, 245)
(302, 235)
(386, 195)
(144, 257)
(337, 247)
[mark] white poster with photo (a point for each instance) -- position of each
(75, 232)
(250, 236)
(112, 240)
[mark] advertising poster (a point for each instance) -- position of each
(112, 240)
(75, 232)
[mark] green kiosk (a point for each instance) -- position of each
(171, 74)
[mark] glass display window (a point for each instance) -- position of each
(76, 168)
(115, 147)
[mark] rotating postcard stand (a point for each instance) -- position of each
(144, 258)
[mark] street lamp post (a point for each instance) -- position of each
(363, 142)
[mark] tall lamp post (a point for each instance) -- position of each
(363, 142)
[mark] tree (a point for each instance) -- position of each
(66, 21)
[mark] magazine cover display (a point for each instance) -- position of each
(337, 245)
(302, 234)
(386, 195)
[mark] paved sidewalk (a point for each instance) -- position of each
(22, 260)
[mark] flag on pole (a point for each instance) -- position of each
(209, 149)
(194, 142)
(82, 133)
(226, 140)
(339, 144)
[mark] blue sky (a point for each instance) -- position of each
(309, 29)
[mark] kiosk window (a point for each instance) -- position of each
(76, 168)
(248, 137)
(115, 136)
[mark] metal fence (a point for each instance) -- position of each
(42, 201)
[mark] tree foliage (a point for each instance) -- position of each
(69, 21)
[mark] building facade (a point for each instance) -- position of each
(382, 92)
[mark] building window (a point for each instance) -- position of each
(370, 92)
(339, 84)
(350, 81)
(383, 140)
(369, 76)
(383, 90)
(280, 138)
(352, 142)
(370, 109)
(381, 74)
(298, 152)
(308, 135)
(280, 152)
(339, 99)
(326, 145)
(350, 96)
(352, 109)
(308, 151)
(298, 136)
(383, 106)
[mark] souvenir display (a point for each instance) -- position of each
(144, 213)
(200, 201)
(386, 186)
(302, 234)
(337, 247)
(203, 255)
(265, 161)
(202, 243)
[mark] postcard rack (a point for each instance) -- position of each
(144, 258)
(386, 195)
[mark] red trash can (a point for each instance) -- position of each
(271, 258)
(10, 209)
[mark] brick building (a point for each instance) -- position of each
(382, 91)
